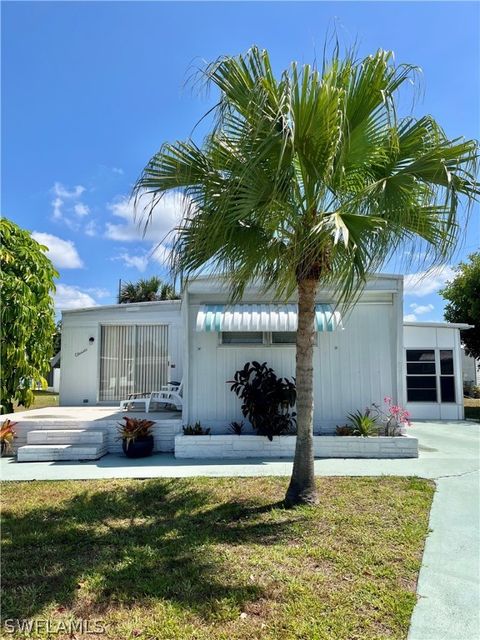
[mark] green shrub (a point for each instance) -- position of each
(195, 430)
(236, 427)
(266, 399)
(363, 424)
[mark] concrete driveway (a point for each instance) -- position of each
(449, 583)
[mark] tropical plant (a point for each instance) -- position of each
(195, 430)
(310, 179)
(27, 315)
(363, 423)
(133, 429)
(236, 427)
(463, 302)
(7, 435)
(392, 417)
(266, 399)
(344, 430)
(146, 290)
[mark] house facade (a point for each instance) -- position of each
(110, 352)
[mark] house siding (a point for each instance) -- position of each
(352, 368)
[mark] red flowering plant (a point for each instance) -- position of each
(393, 417)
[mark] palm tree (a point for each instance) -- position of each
(146, 291)
(309, 179)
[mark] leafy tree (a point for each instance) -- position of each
(311, 179)
(146, 291)
(463, 295)
(27, 284)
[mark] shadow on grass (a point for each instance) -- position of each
(155, 540)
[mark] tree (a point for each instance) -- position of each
(463, 295)
(310, 179)
(27, 284)
(146, 291)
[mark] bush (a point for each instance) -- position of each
(363, 424)
(195, 430)
(236, 427)
(266, 399)
(344, 430)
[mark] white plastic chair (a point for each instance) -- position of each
(171, 394)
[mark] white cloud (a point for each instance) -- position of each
(62, 253)
(424, 283)
(136, 262)
(57, 205)
(166, 216)
(161, 254)
(421, 309)
(118, 170)
(410, 317)
(62, 191)
(71, 297)
(98, 292)
(91, 228)
(81, 209)
(71, 195)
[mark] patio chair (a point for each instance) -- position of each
(170, 394)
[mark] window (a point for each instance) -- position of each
(284, 337)
(447, 380)
(133, 359)
(242, 337)
(430, 375)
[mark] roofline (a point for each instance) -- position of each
(444, 325)
(129, 305)
(372, 276)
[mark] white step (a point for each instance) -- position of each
(65, 436)
(51, 452)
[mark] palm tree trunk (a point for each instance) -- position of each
(302, 484)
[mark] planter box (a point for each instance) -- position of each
(232, 446)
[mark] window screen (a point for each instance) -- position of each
(284, 337)
(430, 373)
(242, 337)
(421, 375)
(447, 380)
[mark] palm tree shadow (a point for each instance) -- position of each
(160, 539)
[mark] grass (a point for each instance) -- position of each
(42, 399)
(216, 559)
(472, 408)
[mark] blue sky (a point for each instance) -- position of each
(91, 90)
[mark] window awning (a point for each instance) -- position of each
(263, 317)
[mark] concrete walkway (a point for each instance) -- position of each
(449, 582)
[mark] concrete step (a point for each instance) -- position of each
(52, 452)
(66, 436)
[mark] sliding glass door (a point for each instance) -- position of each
(133, 359)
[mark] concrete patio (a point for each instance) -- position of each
(448, 587)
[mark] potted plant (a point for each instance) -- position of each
(136, 436)
(7, 435)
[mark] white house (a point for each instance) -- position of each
(109, 352)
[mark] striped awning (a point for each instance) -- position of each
(263, 317)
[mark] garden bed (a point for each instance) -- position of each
(252, 446)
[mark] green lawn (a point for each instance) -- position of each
(42, 399)
(211, 559)
(472, 408)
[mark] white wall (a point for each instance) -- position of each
(436, 337)
(352, 368)
(81, 358)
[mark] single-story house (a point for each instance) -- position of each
(112, 351)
